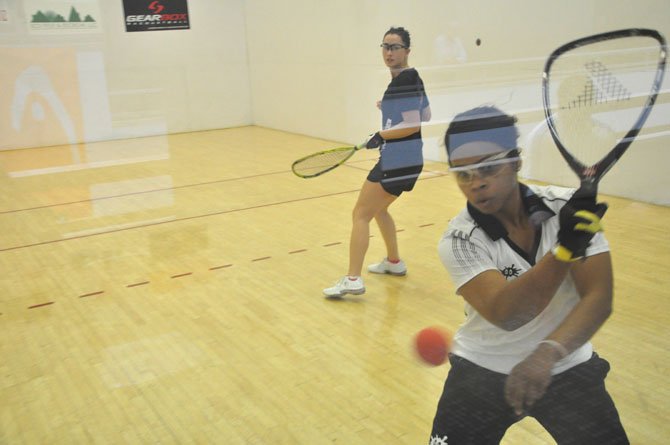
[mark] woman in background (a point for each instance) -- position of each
(404, 106)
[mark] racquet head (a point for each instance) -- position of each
(321, 162)
(598, 92)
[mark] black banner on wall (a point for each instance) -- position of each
(155, 15)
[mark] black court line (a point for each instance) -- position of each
(185, 218)
(144, 192)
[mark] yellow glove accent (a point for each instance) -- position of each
(594, 226)
(563, 254)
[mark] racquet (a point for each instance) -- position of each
(322, 162)
(597, 93)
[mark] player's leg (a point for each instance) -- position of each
(472, 408)
(371, 200)
(391, 264)
(577, 409)
(394, 184)
(388, 230)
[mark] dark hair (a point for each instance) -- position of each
(486, 123)
(400, 31)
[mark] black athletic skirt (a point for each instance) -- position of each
(395, 181)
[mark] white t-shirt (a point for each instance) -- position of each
(474, 243)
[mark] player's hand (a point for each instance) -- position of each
(579, 221)
(373, 141)
(529, 380)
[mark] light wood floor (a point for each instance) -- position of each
(168, 290)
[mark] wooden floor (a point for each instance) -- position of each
(168, 290)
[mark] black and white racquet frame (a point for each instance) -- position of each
(598, 92)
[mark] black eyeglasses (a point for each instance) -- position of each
(392, 47)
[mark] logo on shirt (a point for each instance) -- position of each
(510, 272)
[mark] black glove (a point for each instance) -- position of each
(373, 141)
(579, 221)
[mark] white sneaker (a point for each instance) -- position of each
(346, 285)
(385, 266)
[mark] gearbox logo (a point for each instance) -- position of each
(155, 15)
(156, 7)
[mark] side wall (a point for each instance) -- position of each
(82, 85)
(306, 66)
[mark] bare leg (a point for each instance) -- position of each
(388, 231)
(371, 200)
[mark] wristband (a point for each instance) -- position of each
(557, 346)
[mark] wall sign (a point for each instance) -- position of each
(155, 15)
(62, 16)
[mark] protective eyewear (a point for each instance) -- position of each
(489, 167)
(392, 47)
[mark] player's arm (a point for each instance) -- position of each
(426, 114)
(594, 282)
(529, 380)
(410, 124)
(511, 304)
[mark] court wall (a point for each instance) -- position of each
(307, 67)
(316, 68)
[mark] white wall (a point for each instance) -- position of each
(316, 68)
(307, 66)
(110, 84)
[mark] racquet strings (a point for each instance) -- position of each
(322, 162)
(598, 91)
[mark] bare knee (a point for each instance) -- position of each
(382, 215)
(362, 213)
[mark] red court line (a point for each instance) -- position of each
(92, 294)
(191, 273)
(182, 275)
(41, 305)
(138, 284)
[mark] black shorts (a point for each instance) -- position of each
(576, 409)
(395, 181)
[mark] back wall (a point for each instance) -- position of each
(312, 67)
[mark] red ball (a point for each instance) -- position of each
(432, 345)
